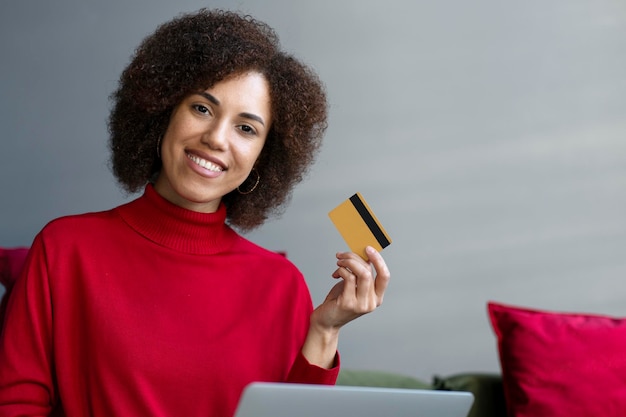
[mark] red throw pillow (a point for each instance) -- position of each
(11, 263)
(561, 364)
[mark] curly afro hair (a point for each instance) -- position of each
(192, 53)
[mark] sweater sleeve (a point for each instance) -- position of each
(26, 381)
(306, 373)
(302, 371)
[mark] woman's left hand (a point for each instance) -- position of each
(360, 291)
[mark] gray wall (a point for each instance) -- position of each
(488, 137)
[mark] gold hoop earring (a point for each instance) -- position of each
(158, 148)
(258, 178)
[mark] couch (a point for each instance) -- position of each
(486, 387)
(554, 364)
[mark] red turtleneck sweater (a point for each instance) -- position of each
(150, 310)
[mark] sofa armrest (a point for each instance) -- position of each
(487, 389)
(382, 379)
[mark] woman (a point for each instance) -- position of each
(158, 307)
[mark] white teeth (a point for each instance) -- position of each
(205, 164)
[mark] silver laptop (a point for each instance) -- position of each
(265, 399)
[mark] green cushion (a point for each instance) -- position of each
(355, 377)
(487, 389)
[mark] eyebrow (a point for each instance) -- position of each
(215, 101)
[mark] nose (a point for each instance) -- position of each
(216, 136)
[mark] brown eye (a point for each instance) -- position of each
(247, 129)
(201, 109)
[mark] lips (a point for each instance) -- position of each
(206, 164)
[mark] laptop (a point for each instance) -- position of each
(273, 399)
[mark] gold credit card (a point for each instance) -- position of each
(358, 225)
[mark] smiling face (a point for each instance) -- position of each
(213, 140)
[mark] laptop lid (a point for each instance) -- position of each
(270, 399)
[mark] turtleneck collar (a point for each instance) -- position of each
(177, 228)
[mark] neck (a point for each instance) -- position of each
(176, 227)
